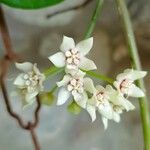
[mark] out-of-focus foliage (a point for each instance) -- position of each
(30, 4)
(74, 108)
(47, 98)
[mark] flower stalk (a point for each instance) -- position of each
(133, 53)
(97, 11)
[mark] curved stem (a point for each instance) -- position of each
(97, 11)
(133, 52)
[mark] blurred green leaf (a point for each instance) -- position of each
(30, 4)
(74, 108)
(47, 98)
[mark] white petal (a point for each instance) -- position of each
(64, 81)
(131, 74)
(92, 111)
(26, 66)
(81, 99)
(129, 105)
(105, 110)
(63, 96)
(135, 91)
(80, 74)
(58, 59)
(67, 44)
(87, 64)
(116, 117)
(85, 46)
(135, 74)
(88, 85)
(30, 96)
(19, 81)
(100, 88)
(105, 122)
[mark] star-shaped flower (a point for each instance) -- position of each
(72, 56)
(118, 103)
(125, 83)
(30, 82)
(99, 101)
(72, 86)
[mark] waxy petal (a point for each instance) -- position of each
(92, 111)
(58, 59)
(63, 96)
(105, 122)
(64, 81)
(25, 67)
(67, 44)
(87, 64)
(105, 110)
(19, 81)
(135, 74)
(100, 88)
(116, 117)
(135, 91)
(89, 85)
(30, 96)
(81, 99)
(85, 46)
(131, 74)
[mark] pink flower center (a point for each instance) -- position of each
(72, 57)
(75, 86)
(125, 84)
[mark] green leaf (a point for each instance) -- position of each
(47, 98)
(30, 4)
(74, 108)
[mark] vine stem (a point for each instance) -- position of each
(97, 11)
(133, 53)
(9, 57)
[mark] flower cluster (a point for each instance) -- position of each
(109, 101)
(29, 82)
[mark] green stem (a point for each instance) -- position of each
(99, 76)
(133, 52)
(97, 11)
(52, 71)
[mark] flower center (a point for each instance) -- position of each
(75, 86)
(101, 97)
(72, 57)
(31, 80)
(125, 84)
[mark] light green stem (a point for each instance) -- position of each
(133, 52)
(52, 71)
(99, 76)
(97, 11)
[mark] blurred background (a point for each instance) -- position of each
(35, 35)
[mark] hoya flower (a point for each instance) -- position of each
(29, 82)
(125, 83)
(72, 56)
(72, 86)
(98, 102)
(118, 103)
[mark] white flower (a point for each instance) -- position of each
(118, 103)
(125, 83)
(30, 82)
(99, 101)
(73, 56)
(72, 85)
